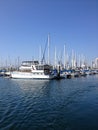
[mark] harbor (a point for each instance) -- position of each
(38, 95)
(36, 70)
(48, 65)
(62, 67)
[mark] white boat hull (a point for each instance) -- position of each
(30, 75)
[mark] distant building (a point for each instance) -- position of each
(96, 63)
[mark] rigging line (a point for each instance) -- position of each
(43, 58)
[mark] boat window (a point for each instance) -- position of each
(29, 63)
(39, 67)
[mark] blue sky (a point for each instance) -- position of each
(25, 25)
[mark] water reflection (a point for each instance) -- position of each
(32, 92)
(28, 84)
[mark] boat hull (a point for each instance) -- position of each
(29, 75)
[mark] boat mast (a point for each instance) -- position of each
(55, 58)
(67, 61)
(48, 49)
(72, 62)
(40, 54)
(64, 56)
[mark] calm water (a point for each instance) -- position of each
(68, 104)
